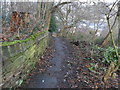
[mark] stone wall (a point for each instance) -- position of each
(20, 57)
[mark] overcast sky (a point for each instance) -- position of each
(110, 1)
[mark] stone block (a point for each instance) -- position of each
(5, 51)
(12, 50)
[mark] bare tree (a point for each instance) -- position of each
(113, 67)
(110, 14)
(119, 23)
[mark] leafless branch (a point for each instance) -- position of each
(60, 4)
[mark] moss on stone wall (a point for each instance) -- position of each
(21, 41)
(17, 66)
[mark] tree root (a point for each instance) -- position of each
(110, 72)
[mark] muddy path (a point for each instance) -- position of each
(68, 67)
(52, 77)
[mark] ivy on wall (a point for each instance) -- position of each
(53, 25)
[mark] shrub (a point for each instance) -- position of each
(110, 55)
(99, 40)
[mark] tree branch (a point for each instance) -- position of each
(56, 6)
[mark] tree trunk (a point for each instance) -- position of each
(112, 68)
(106, 40)
(119, 24)
(38, 10)
(119, 31)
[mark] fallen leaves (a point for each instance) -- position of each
(41, 66)
(76, 69)
(77, 73)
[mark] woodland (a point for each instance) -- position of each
(84, 46)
